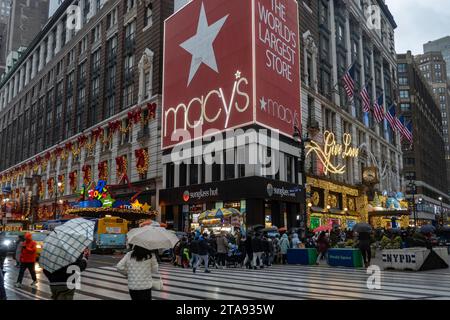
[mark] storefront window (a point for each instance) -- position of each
(268, 215)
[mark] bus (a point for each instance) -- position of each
(110, 234)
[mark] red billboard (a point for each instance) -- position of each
(228, 64)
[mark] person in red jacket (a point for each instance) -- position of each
(27, 260)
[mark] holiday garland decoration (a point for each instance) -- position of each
(142, 161)
(73, 181)
(61, 180)
(87, 174)
(41, 189)
(103, 170)
(75, 146)
(51, 186)
(121, 167)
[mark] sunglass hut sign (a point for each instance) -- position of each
(228, 64)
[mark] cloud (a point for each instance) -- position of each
(419, 21)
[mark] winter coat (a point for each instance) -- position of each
(323, 244)
(222, 244)
(257, 244)
(60, 277)
(203, 247)
(284, 244)
(193, 248)
(295, 241)
(140, 273)
(28, 253)
(364, 240)
(249, 245)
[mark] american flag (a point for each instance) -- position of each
(365, 99)
(378, 110)
(409, 133)
(390, 117)
(402, 128)
(349, 82)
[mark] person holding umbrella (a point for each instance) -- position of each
(364, 230)
(65, 255)
(140, 266)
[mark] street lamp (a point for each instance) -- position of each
(442, 212)
(302, 141)
(412, 186)
(56, 199)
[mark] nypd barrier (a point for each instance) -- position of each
(415, 259)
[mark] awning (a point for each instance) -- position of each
(395, 213)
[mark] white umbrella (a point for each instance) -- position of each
(152, 238)
(66, 243)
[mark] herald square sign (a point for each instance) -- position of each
(229, 64)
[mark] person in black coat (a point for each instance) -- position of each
(203, 253)
(248, 262)
(61, 281)
(258, 250)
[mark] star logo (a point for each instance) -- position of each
(200, 46)
(263, 103)
(237, 75)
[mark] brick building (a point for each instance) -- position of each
(424, 161)
(80, 102)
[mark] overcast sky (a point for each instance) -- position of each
(419, 21)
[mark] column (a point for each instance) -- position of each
(59, 44)
(27, 71)
(41, 56)
(385, 124)
(68, 190)
(21, 71)
(333, 53)
(374, 86)
(34, 65)
(50, 47)
(115, 146)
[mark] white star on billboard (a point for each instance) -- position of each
(200, 46)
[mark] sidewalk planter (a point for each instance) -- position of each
(415, 259)
(302, 256)
(349, 257)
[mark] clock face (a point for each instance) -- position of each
(370, 175)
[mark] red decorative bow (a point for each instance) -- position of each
(152, 110)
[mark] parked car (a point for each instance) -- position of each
(10, 240)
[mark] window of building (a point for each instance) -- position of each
(97, 34)
(403, 81)
(402, 67)
(404, 94)
(405, 107)
(148, 18)
(112, 18)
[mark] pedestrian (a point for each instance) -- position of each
(27, 260)
(258, 250)
(322, 246)
(193, 248)
(203, 253)
(295, 241)
(2, 287)
(19, 250)
(140, 267)
(276, 249)
(268, 251)
(222, 249)
(60, 286)
(284, 246)
(364, 247)
(248, 245)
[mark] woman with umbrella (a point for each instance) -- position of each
(322, 246)
(140, 265)
(364, 230)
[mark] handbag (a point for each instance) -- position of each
(158, 284)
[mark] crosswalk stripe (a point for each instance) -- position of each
(309, 280)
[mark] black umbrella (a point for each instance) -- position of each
(428, 228)
(362, 227)
(257, 227)
(271, 229)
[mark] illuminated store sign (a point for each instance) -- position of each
(331, 150)
(228, 64)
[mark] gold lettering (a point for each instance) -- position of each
(332, 149)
